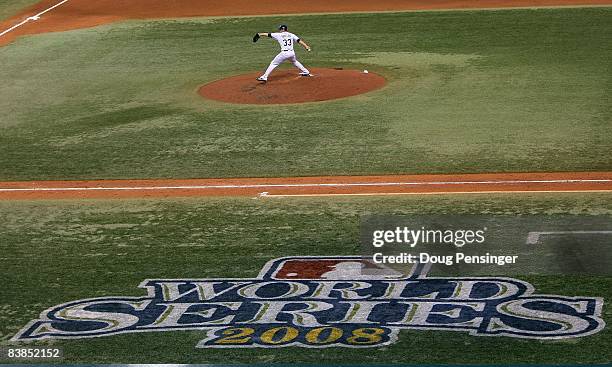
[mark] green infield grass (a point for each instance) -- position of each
(468, 91)
(59, 251)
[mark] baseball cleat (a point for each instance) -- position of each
(262, 79)
(306, 74)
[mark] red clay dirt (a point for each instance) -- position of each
(76, 14)
(287, 86)
(313, 186)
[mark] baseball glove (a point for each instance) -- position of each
(255, 37)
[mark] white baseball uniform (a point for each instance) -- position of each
(286, 40)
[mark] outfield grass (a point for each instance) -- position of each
(469, 91)
(9, 8)
(58, 251)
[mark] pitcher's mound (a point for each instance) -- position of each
(286, 86)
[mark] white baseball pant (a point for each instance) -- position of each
(282, 57)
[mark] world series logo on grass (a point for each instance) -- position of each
(323, 302)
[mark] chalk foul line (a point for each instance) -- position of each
(432, 193)
(303, 185)
(534, 237)
(32, 18)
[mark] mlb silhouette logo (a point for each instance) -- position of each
(337, 268)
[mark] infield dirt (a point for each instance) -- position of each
(312, 186)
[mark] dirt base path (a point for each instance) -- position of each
(75, 14)
(313, 186)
